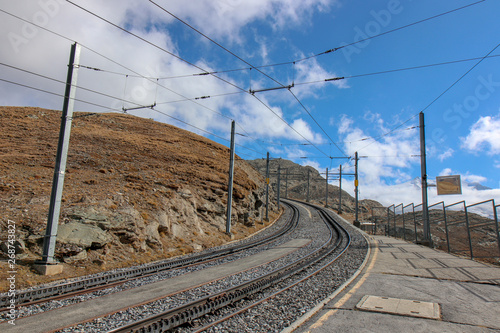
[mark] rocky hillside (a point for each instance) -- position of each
(135, 190)
(297, 187)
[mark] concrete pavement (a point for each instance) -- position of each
(403, 285)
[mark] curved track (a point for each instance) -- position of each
(306, 245)
(309, 265)
(100, 281)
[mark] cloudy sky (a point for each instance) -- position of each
(204, 62)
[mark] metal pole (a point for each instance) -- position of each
(468, 231)
(404, 226)
(425, 209)
(230, 184)
(267, 187)
(387, 231)
(279, 184)
(414, 222)
(308, 174)
(356, 183)
(446, 228)
(49, 241)
(340, 190)
(326, 194)
(286, 183)
(496, 225)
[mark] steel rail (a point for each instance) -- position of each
(184, 314)
(282, 290)
(71, 288)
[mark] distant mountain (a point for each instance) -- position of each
(478, 186)
(416, 182)
(297, 185)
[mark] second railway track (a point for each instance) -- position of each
(248, 294)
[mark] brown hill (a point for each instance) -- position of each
(135, 190)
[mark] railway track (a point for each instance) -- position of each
(295, 272)
(98, 282)
(308, 252)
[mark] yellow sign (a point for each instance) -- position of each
(448, 185)
(356, 183)
(267, 181)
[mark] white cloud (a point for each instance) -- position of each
(345, 124)
(384, 156)
(484, 136)
(473, 178)
(37, 50)
(294, 153)
(446, 154)
(311, 163)
(306, 132)
(465, 178)
(446, 172)
(408, 193)
(312, 71)
(225, 18)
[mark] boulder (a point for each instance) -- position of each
(19, 247)
(78, 257)
(84, 235)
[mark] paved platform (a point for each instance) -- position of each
(463, 295)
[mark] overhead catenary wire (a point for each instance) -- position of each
(119, 111)
(352, 43)
(394, 70)
(321, 80)
(247, 63)
(78, 86)
(180, 58)
(375, 36)
(450, 87)
(115, 62)
(439, 96)
(107, 58)
(331, 140)
(55, 94)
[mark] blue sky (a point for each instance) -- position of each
(462, 118)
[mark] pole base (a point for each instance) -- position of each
(48, 268)
(357, 224)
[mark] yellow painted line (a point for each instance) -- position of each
(347, 296)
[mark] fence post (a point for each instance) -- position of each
(446, 228)
(404, 226)
(389, 220)
(468, 230)
(496, 225)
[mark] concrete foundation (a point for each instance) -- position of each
(48, 269)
